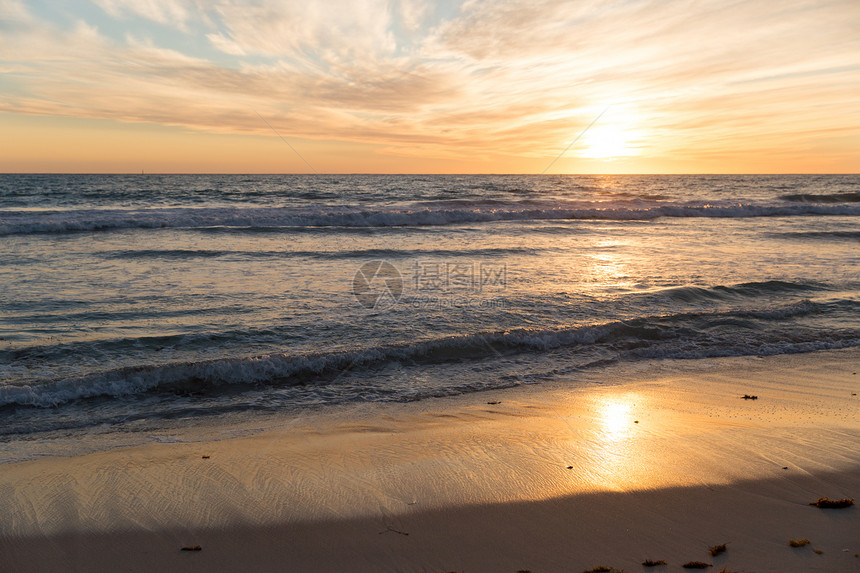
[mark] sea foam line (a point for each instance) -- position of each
(25, 222)
(690, 330)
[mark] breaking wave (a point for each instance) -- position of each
(425, 214)
(760, 331)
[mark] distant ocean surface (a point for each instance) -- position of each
(132, 302)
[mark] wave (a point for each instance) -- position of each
(427, 214)
(823, 235)
(850, 197)
(267, 338)
(328, 255)
(683, 335)
(627, 194)
(692, 294)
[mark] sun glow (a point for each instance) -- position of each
(608, 142)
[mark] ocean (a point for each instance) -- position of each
(133, 306)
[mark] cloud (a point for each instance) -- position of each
(13, 13)
(225, 44)
(335, 31)
(505, 77)
(165, 12)
(413, 13)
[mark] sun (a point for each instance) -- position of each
(608, 142)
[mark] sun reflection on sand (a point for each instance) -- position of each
(615, 447)
(616, 420)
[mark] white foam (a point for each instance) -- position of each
(428, 214)
(667, 336)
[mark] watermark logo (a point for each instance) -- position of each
(377, 284)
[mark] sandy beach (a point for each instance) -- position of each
(647, 460)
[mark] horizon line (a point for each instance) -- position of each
(317, 174)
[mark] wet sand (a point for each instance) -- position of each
(656, 460)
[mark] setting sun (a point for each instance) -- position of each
(607, 142)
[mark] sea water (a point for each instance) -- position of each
(134, 303)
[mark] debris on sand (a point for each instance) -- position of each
(717, 549)
(651, 563)
(827, 503)
(799, 542)
(749, 397)
(389, 529)
(604, 569)
(192, 548)
(696, 565)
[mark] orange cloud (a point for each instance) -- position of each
(490, 86)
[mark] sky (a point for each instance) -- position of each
(409, 86)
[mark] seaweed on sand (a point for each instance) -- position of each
(827, 503)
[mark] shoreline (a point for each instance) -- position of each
(655, 460)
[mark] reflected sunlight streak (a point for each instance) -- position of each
(615, 419)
